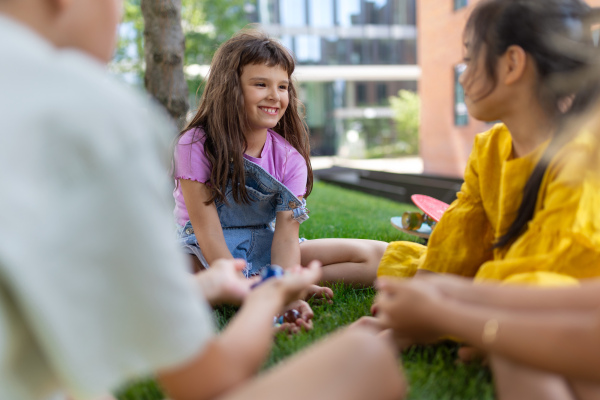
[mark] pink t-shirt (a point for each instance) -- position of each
(278, 158)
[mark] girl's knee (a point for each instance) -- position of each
(373, 251)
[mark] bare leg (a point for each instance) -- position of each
(517, 382)
(353, 261)
(354, 364)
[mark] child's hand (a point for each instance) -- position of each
(291, 285)
(405, 307)
(224, 282)
(304, 321)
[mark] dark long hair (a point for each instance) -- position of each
(222, 117)
(557, 35)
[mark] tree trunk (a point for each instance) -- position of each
(164, 50)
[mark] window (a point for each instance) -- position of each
(361, 94)
(308, 49)
(382, 94)
(268, 11)
(461, 117)
(403, 12)
(377, 12)
(292, 12)
(458, 4)
(321, 13)
(348, 12)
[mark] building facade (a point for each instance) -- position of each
(352, 56)
(446, 129)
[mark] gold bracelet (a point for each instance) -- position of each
(490, 331)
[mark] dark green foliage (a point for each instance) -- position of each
(206, 24)
(432, 371)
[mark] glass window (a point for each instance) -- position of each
(458, 4)
(288, 42)
(293, 12)
(308, 48)
(320, 13)
(403, 12)
(348, 12)
(268, 12)
(382, 93)
(361, 94)
(461, 116)
(377, 12)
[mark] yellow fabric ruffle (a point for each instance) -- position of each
(401, 259)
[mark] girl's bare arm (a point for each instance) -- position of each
(584, 297)
(285, 249)
(563, 342)
(205, 220)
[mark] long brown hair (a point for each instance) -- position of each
(222, 117)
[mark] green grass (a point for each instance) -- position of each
(335, 212)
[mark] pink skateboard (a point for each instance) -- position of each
(421, 224)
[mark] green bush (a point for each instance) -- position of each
(406, 107)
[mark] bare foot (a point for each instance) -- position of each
(319, 293)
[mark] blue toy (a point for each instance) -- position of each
(270, 271)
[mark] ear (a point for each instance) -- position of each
(514, 64)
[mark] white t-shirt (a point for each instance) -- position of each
(93, 290)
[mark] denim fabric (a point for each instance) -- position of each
(247, 227)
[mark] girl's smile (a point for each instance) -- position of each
(266, 97)
(270, 110)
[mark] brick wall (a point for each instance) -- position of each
(444, 146)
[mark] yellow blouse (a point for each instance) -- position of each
(560, 243)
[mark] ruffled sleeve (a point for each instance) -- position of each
(190, 160)
(563, 238)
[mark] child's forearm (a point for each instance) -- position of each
(232, 357)
(285, 249)
(562, 342)
(213, 246)
(526, 298)
(285, 252)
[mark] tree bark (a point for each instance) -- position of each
(164, 50)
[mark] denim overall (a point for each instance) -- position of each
(248, 228)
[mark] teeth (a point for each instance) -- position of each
(270, 110)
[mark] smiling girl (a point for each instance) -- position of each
(243, 162)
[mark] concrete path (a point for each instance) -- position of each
(407, 165)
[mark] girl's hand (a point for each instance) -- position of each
(290, 286)
(408, 308)
(303, 322)
(224, 282)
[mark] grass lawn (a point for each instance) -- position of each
(336, 212)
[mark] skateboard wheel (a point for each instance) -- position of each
(412, 220)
